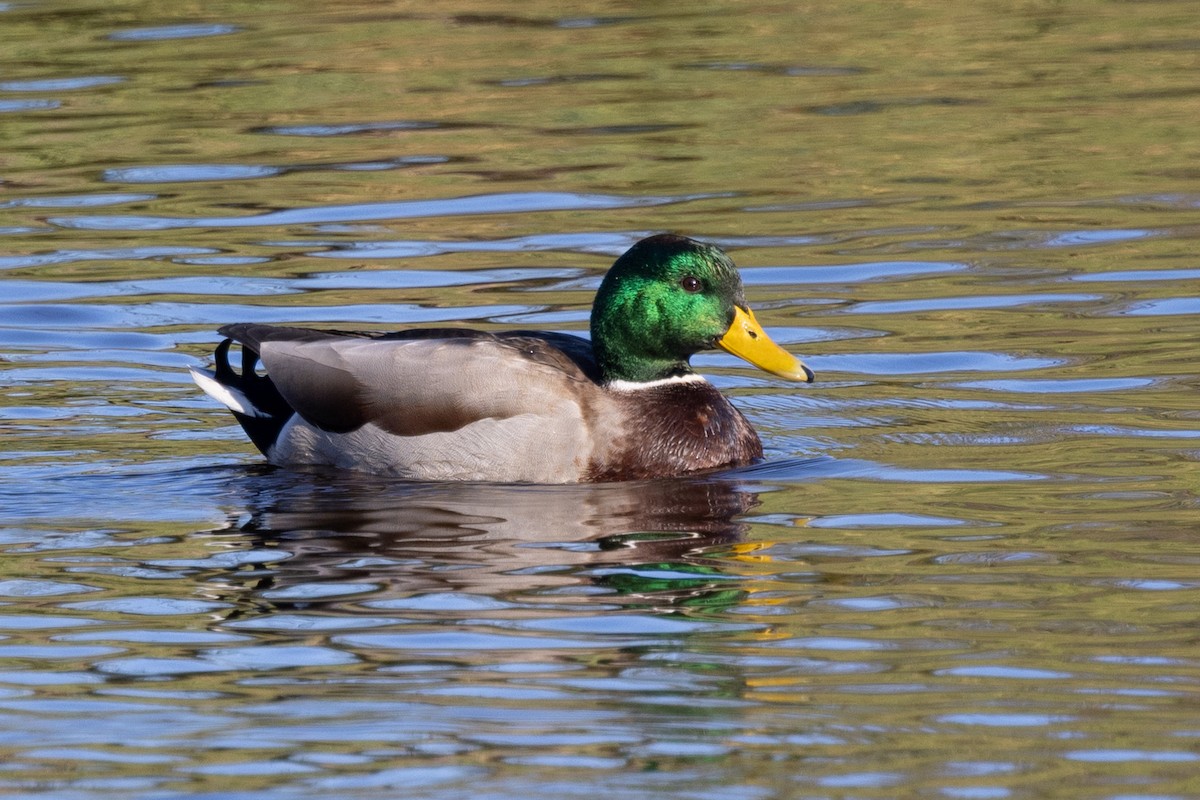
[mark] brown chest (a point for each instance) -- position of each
(671, 429)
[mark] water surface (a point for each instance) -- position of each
(967, 567)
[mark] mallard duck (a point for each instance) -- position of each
(516, 406)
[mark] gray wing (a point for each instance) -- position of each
(415, 386)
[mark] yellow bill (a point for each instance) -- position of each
(747, 340)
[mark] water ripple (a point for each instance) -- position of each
(970, 302)
(928, 363)
(347, 129)
(1165, 307)
(180, 173)
(115, 254)
(1057, 386)
(507, 203)
(59, 84)
(76, 201)
(10, 106)
(171, 32)
(841, 274)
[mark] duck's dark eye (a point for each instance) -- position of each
(691, 284)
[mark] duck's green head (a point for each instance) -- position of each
(669, 297)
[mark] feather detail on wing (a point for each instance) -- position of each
(419, 384)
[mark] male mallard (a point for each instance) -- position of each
(519, 406)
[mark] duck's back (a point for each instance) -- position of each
(426, 405)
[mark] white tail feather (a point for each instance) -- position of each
(228, 396)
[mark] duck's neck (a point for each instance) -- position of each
(626, 369)
(637, 386)
(636, 335)
(628, 355)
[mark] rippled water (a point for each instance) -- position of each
(967, 568)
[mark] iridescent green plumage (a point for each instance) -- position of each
(667, 298)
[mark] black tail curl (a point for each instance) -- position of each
(274, 412)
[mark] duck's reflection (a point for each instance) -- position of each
(645, 538)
